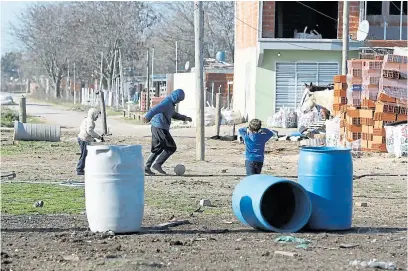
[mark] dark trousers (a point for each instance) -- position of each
(163, 146)
(253, 167)
(84, 153)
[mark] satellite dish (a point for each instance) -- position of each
(187, 66)
(362, 31)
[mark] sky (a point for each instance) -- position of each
(9, 9)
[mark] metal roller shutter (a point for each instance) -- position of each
(285, 85)
(291, 79)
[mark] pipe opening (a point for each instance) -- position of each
(285, 206)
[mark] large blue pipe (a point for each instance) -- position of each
(272, 204)
(327, 174)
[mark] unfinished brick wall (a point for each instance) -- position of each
(268, 19)
(247, 13)
(354, 18)
(219, 79)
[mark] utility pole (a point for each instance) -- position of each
(152, 66)
(113, 84)
(67, 89)
(401, 9)
(74, 86)
(148, 83)
(176, 57)
(199, 63)
(345, 37)
(122, 79)
(102, 100)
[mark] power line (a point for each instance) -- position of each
(318, 11)
(392, 2)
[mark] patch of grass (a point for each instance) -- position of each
(8, 116)
(38, 147)
(18, 199)
(167, 201)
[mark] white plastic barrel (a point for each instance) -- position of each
(114, 188)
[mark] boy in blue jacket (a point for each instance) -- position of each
(254, 138)
(163, 145)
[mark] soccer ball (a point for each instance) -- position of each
(179, 170)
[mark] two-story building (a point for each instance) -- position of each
(271, 65)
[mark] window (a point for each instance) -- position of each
(374, 7)
(395, 7)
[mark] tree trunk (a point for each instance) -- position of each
(57, 85)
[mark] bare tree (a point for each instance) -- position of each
(43, 31)
(177, 24)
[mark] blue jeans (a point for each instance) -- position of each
(84, 152)
(253, 167)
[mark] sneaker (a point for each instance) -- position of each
(159, 169)
(80, 173)
(148, 171)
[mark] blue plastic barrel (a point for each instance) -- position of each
(220, 56)
(272, 204)
(327, 174)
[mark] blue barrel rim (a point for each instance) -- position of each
(309, 213)
(108, 146)
(325, 149)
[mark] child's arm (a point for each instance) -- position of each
(178, 116)
(160, 108)
(266, 133)
(90, 126)
(242, 132)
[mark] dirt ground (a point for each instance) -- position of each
(214, 239)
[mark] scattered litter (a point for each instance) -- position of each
(286, 253)
(176, 243)
(266, 254)
(348, 245)
(374, 264)
(73, 258)
(227, 222)
(200, 239)
(361, 204)
(172, 224)
(73, 183)
(224, 171)
(302, 243)
(39, 204)
(205, 202)
(8, 175)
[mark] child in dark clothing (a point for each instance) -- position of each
(163, 145)
(254, 138)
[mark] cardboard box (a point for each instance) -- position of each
(367, 129)
(385, 116)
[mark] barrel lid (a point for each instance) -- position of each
(324, 149)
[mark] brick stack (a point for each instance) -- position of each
(340, 93)
(383, 100)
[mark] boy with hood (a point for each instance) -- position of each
(163, 145)
(87, 135)
(255, 139)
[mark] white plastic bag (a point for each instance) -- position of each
(209, 116)
(400, 134)
(277, 119)
(389, 137)
(306, 119)
(230, 117)
(333, 132)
